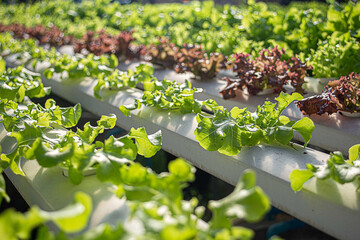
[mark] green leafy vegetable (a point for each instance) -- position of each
(41, 134)
(154, 199)
(227, 132)
(73, 218)
(17, 83)
(170, 95)
(78, 67)
(147, 145)
(344, 18)
(30, 124)
(17, 119)
(337, 56)
(118, 79)
(336, 168)
(247, 202)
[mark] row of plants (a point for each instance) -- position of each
(266, 72)
(45, 134)
(188, 58)
(329, 40)
(221, 130)
(52, 36)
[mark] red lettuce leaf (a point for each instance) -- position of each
(266, 71)
(342, 94)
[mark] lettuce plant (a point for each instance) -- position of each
(192, 58)
(77, 67)
(18, 82)
(102, 42)
(342, 94)
(118, 80)
(264, 72)
(170, 95)
(338, 55)
(228, 131)
(163, 53)
(336, 168)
